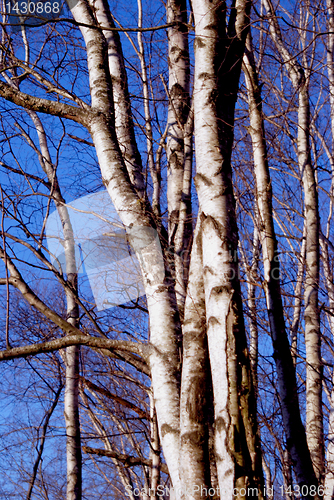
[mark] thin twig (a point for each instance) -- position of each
(8, 346)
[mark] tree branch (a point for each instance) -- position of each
(141, 413)
(79, 339)
(127, 460)
(43, 105)
(44, 21)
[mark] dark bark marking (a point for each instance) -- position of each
(199, 43)
(213, 321)
(200, 177)
(196, 400)
(205, 76)
(166, 429)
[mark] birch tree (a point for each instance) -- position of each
(118, 171)
(121, 174)
(295, 433)
(329, 478)
(172, 384)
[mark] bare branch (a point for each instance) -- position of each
(127, 460)
(124, 402)
(79, 339)
(43, 105)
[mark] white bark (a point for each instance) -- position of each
(314, 417)
(294, 430)
(164, 328)
(216, 260)
(251, 299)
(183, 235)
(269, 484)
(235, 419)
(214, 102)
(71, 413)
(195, 473)
(178, 110)
(298, 299)
(178, 89)
(148, 122)
(123, 115)
(329, 476)
(154, 452)
(178, 150)
(71, 400)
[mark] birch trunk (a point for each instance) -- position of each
(218, 57)
(194, 461)
(329, 476)
(154, 452)
(269, 484)
(178, 180)
(71, 413)
(298, 299)
(217, 50)
(178, 110)
(136, 215)
(314, 416)
(71, 400)
(294, 429)
(155, 173)
(251, 272)
(123, 115)
(164, 323)
(330, 59)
